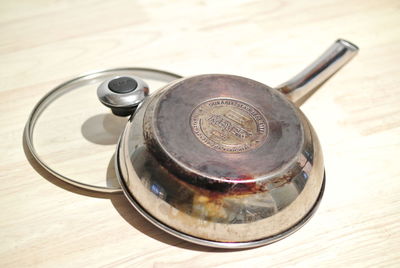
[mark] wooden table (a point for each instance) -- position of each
(45, 223)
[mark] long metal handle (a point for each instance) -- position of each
(300, 87)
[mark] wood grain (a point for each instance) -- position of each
(45, 223)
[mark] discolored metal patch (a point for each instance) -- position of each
(229, 125)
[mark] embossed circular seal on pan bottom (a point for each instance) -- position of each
(229, 125)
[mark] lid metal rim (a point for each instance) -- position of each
(211, 243)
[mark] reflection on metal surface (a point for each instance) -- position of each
(202, 241)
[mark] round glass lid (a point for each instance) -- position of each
(73, 136)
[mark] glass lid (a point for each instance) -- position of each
(73, 136)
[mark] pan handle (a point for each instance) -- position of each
(301, 86)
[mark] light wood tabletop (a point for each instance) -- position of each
(45, 223)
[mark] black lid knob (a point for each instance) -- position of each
(122, 85)
(122, 94)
